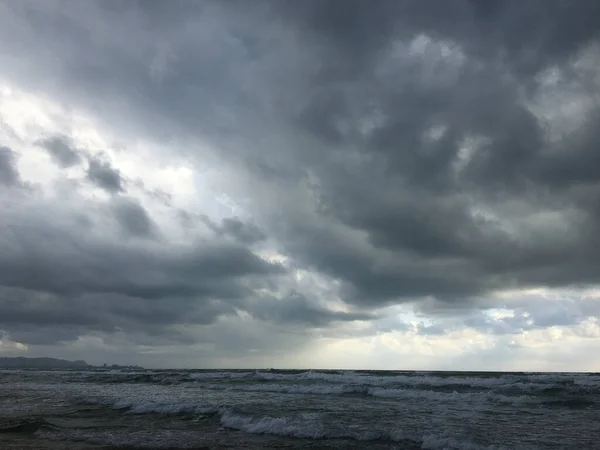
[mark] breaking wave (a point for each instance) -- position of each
(305, 426)
(409, 410)
(342, 389)
(525, 382)
(312, 428)
(505, 383)
(220, 375)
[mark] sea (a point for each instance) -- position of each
(314, 409)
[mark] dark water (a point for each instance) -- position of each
(293, 409)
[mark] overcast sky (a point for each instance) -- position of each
(403, 184)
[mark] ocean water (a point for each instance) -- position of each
(298, 409)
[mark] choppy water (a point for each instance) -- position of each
(294, 409)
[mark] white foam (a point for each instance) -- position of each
(219, 375)
(305, 426)
(308, 425)
(525, 382)
(442, 442)
(317, 389)
(473, 397)
(518, 381)
(341, 389)
(378, 380)
(118, 372)
(313, 429)
(170, 408)
(151, 407)
(273, 425)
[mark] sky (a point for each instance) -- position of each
(403, 184)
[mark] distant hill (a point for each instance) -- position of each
(21, 362)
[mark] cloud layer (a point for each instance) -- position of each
(320, 171)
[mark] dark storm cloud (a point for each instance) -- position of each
(243, 232)
(61, 150)
(374, 276)
(388, 145)
(69, 263)
(9, 175)
(60, 274)
(60, 279)
(35, 317)
(233, 227)
(104, 176)
(133, 218)
(298, 309)
(527, 34)
(403, 190)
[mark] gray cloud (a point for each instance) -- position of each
(133, 218)
(297, 309)
(104, 176)
(36, 318)
(9, 175)
(61, 150)
(233, 227)
(404, 151)
(244, 232)
(73, 263)
(527, 39)
(61, 279)
(402, 190)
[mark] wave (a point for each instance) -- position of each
(311, 428)
(341, 389)
(548, 383)
(127, 377)
(524, 382)
(181, 407)
(302, 426)
(314, 429)
(475, 397)
(25, 425)
(279, 426)
(317, 389)
(306, 426)
(571, 403)
(151, 407)
(219, 375)
(126, 438)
